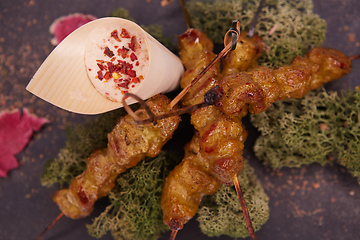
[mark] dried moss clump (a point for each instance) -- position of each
(321, 127)
(221, 214)
(296, 29)
(134, 211)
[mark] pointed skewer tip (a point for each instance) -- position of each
(173, 234)
(244, 208)
(50, 226)
(355, 57)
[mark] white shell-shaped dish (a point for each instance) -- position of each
(62, 79)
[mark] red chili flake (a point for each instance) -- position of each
(133, 44)
(132, 86)
(128, 65)
(120, 67)
(131, 73)
(137, 63)
(107, 76)
(113, 59)
(111, 67)
(108, 52)
(100, 75)
(118, 80)
(125, 68)
(133, 57)
(114, 34)
(101, 67)
(124, 33)
(117, 68)
(135, 80)
(90, 69)
(123, 52)
(124, 84)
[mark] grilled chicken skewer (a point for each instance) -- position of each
(215, 152)
(256, 90)
(128, 144)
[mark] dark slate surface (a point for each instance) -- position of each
(309, 203)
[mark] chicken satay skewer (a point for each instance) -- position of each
(128, 144)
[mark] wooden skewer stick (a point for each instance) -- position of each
(195, 80)
(229, 45)
(255, 19)
(50, 226)
(186, 15)
(355, 57)
(244, 208)
(173, 234)
(210, 98)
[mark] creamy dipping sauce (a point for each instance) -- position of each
(116, 60)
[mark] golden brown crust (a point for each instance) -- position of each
(245, 55)
(194, 46)
(257, 89)
(214, 155)
(185, 186)
(221, 142)
(128, 144)
(215, 152)
(196, 52)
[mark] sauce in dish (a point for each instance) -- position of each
(116, 60)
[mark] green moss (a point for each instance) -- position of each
(298, 29)
(121, 13)
(221, 214)
(321, 127)
(134, 211)
(156, 31)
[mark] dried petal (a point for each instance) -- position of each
(15, 133)
(65, 25)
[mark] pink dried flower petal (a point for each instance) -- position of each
(65, 25)
(15, 133)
